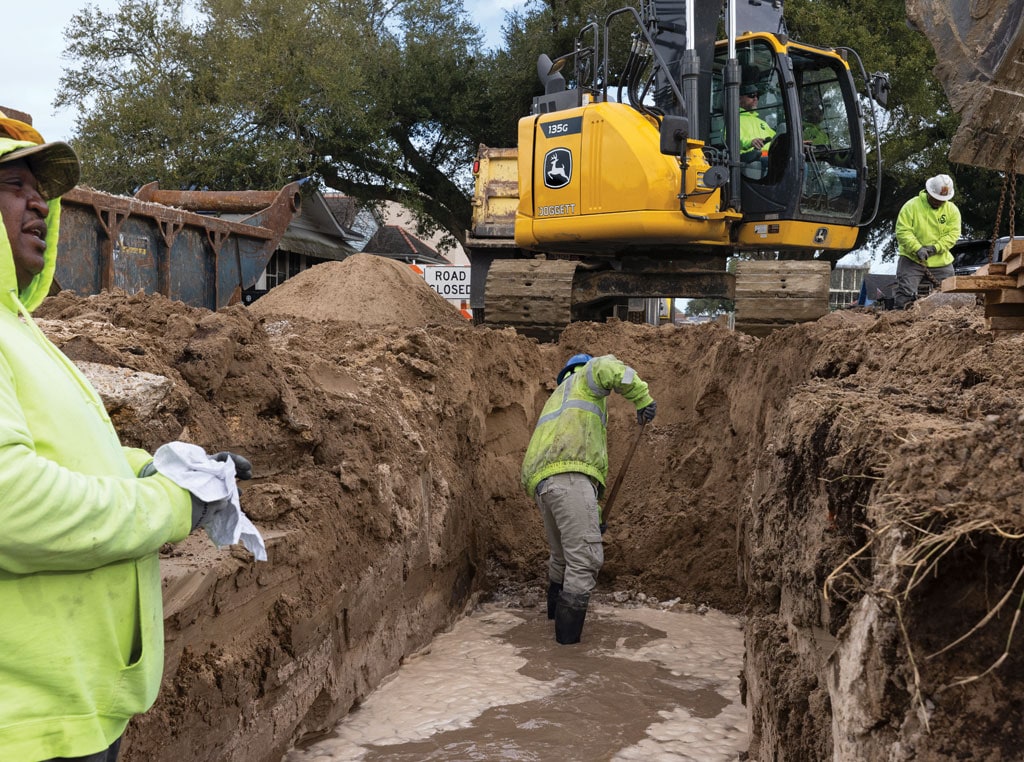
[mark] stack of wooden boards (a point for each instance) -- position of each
(1002, 284)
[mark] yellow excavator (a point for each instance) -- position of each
(634, 176)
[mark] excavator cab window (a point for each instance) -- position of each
(831, 186)
(813, 164)
(763, 114)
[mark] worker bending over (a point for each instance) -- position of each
(565, 470)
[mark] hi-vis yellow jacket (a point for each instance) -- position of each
(81, 615)
(918, 224)
(571, 433)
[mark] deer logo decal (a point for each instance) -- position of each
(557, 168)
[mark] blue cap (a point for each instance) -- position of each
(572, 362)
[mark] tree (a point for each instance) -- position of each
(710, 307)
(380, 101)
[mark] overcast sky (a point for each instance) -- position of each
(30, 55)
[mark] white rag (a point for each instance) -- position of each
(188, 466)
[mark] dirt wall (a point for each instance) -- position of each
(791, 478)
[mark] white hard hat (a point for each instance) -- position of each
(940, 187)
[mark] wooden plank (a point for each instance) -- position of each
(963, 283)
(1014, 263)
(798, 310)
(1006, 296)
(1005, 323)
(992, 268)
(1004, 310)
(1013, 246)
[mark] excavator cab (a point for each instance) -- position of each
(814, 169)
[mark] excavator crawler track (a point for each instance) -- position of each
(534, 296)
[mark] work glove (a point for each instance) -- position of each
(924, 252)
(243, 468)
(646, 414)
(203, 512)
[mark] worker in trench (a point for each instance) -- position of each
(927, 227)
(565, 469)
(81, 633)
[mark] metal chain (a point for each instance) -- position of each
(1011, 172)
(1013, 188)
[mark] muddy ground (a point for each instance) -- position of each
(852, 487)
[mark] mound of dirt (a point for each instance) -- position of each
(364, 289)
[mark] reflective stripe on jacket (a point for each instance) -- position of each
(571, 433)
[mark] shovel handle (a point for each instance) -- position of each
(610, 500)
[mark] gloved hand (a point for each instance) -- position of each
(922, 254)
(243, 468)
(203, 512)
(646, 414)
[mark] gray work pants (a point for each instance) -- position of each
(568, 506)
(909, 275)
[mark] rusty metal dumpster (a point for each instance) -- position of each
(171, 242)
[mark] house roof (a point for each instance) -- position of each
(316, 231)
(396, 242)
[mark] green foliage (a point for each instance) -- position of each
(710, 307)
(378, 101)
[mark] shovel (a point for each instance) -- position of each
(610, 500)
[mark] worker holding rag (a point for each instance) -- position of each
(81, 629)
(565, 469)
(926, 228)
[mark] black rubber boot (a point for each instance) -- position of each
(554, 588)
(570, 612)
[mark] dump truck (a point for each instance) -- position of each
(199, 247)
(631, 179)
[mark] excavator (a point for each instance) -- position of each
(631, 178)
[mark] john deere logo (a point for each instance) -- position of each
(821, 235)
(557, 168)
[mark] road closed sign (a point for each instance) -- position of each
(450, 281)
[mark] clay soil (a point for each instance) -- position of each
(852, 487)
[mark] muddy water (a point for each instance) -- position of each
(644, 684)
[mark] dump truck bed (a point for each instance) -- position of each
(159, 242)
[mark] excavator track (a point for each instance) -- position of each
(534, 296)
(772, 295)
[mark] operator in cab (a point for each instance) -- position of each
(755, 132)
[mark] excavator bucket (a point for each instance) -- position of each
(978, 45)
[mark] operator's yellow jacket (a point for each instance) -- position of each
(919, 224)
(571, 433)
(81, 615)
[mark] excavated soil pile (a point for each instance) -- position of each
(853, 486)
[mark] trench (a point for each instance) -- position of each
(787, 481)
(646, 683)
